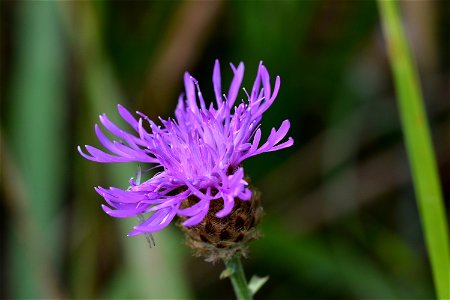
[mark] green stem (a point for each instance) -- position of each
(237, 276)
(419, 147)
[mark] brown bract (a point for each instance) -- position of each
(220, 238)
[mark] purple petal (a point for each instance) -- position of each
(235, 84)
(245, 195)
(268, 101)
(217, 82)
(228, 204)
(286, 144)
(256, 84)
(190, 92)
(107, 143)
(123, 213)
(125, 114)
(192, 221)
(157, 221)
(266, 83)
(194, 209)
(100, 156)
(282, 131)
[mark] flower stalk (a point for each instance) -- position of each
(235, 271)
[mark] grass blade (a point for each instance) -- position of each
(419, 146)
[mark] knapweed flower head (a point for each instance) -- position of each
(198, 154)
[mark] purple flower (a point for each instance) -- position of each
(199, 153)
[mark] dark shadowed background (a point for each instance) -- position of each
(341, 220)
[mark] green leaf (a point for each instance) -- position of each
(226, 273)
(256, 283)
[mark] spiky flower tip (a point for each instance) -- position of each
(199, 155)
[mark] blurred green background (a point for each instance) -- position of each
(341, 217)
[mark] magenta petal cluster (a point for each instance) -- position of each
(198, 153)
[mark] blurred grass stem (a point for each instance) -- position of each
(134, 278)
(418, 146)
(26, 227)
